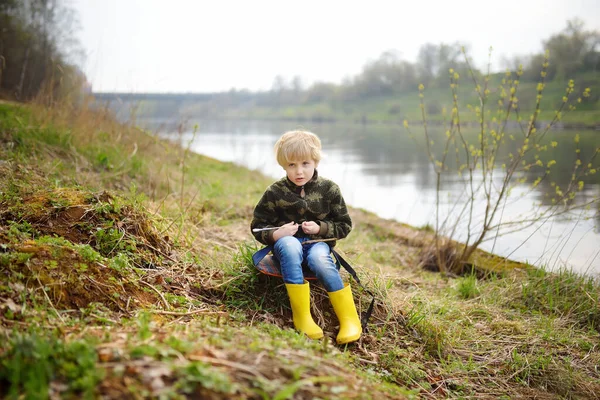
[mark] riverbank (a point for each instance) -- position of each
(126, 273)
(580, 111)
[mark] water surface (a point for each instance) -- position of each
(383, 170)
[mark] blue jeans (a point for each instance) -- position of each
(291, 254)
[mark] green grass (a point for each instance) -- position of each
(35, 360)
(467, 287)
(145, 287)
(562, 293)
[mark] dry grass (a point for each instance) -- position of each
(167, 301)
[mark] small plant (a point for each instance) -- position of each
(503, 155)
(120, 263)
(201, 379)
(242, 280)
(12, 258)
(401, 369)
(105, 208)
(111, 240)
(467, 287)
(32, 361)
(88, 253)
(144, 321)
(529, 368)
(432, 335)
(19, 231)
(107, 240)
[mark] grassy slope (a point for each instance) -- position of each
(125, 273)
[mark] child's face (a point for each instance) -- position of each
(300, 171)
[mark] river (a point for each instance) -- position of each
(382, 169)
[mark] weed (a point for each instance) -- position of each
(179, 345)
(431, 333)
(398, 367)
(88, 253)
(288, 391)
(120, 263)
(144, 350)
(109, 240)
(200, 379)
(18, 231)
(106, 208)
(143, 322)
(55, 241)
(103, 161)
(34, 360)
(14, 258)
(467, 287)
(562, 293)
(427, 228)
(136, 167)
(529, 367)
(245, 287)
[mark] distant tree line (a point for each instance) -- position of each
(38, 50)
(573, 51)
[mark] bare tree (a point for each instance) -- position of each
(35, 38)
(493, 163)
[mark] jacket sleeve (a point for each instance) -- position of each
(264, 216)
(337, 224)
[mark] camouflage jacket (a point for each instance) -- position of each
(322, 203)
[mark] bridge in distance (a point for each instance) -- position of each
(133, 97)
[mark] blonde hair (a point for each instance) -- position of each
(297, 145)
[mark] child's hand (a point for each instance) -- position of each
(311, 227)
(288, 229)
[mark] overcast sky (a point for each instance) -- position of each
(216, 45)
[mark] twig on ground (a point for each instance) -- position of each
(157, 292)
(184, 314)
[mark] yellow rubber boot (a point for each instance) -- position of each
(343, 305)
(300, 301)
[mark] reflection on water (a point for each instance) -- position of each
(383, 170)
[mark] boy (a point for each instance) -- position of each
(305, 206)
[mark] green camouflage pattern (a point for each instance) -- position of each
(322, 203)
